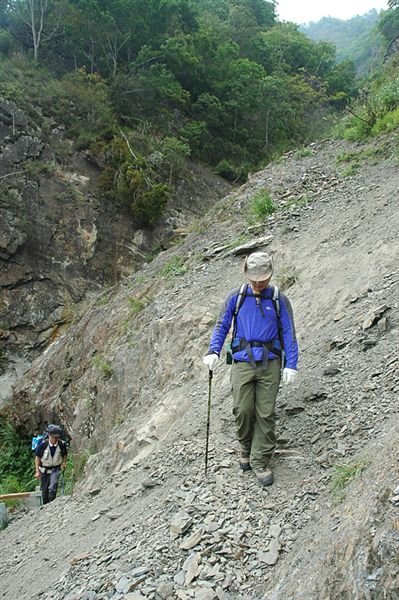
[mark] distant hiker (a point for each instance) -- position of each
(263, 336)
(50, 459)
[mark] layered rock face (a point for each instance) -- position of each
(59, 241)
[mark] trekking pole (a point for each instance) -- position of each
(208, 419)
(62, 483)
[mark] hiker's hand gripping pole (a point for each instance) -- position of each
(208, 420)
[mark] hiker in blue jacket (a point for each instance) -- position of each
(263, 332)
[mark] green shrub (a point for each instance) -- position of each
(77, 464)
(103, 366)
(174, 267)
(389, 122)
(261, 206)
(148, 206)
(343, 474)
(287, 278)
(234, 174)
(174, 152)
(303, 152)
(16, 460)
(136, 306)
(351, 170)
(82, 102)
(7, 42)
(130, 179)
(195, 133)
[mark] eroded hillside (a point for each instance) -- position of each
(61, 241)
(128, 383)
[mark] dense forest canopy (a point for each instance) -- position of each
(218, 80)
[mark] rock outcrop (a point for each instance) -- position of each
(60, 242)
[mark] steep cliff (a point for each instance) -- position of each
(60, 241)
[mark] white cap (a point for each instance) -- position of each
(258, 266)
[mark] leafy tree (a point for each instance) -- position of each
(341, 83)
(219, 79)
(41, 19)
(174, 153)
(284, 48)
(389, 23)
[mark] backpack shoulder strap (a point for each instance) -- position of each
(240, 298)
(43, 446)
(276, 300)
(242, 292)
(276, 304)
(62, 447)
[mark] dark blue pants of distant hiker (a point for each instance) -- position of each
(49, 484)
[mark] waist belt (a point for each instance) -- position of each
(243, 344)
(48, 470)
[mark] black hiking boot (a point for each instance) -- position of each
(244, 462)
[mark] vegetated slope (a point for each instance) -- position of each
(128, 383)
(357, 39)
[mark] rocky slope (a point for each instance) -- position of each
(60, 242)
(128, 383)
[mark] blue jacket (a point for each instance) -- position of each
(257, 322)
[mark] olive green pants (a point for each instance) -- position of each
(254, 398)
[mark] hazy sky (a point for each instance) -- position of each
(303, 11)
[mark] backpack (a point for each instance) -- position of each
(44, 438)
(36, 440)
(276, 303)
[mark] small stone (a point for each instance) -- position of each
(369, 343)
(165, 589)
(148, 483)
(121, 585)
(79, 558)
(139, 571)
(315, 396)
(205, 594)
(369, 322)
(339, 316)
(275, 530)
(338, 343)
(271, 556)
(330, 371)
(113, 516)
(294, 410)
(192, 540)
(382, 325)
(192, 567)
(180, 522)
(179, 578)
(131, 586)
